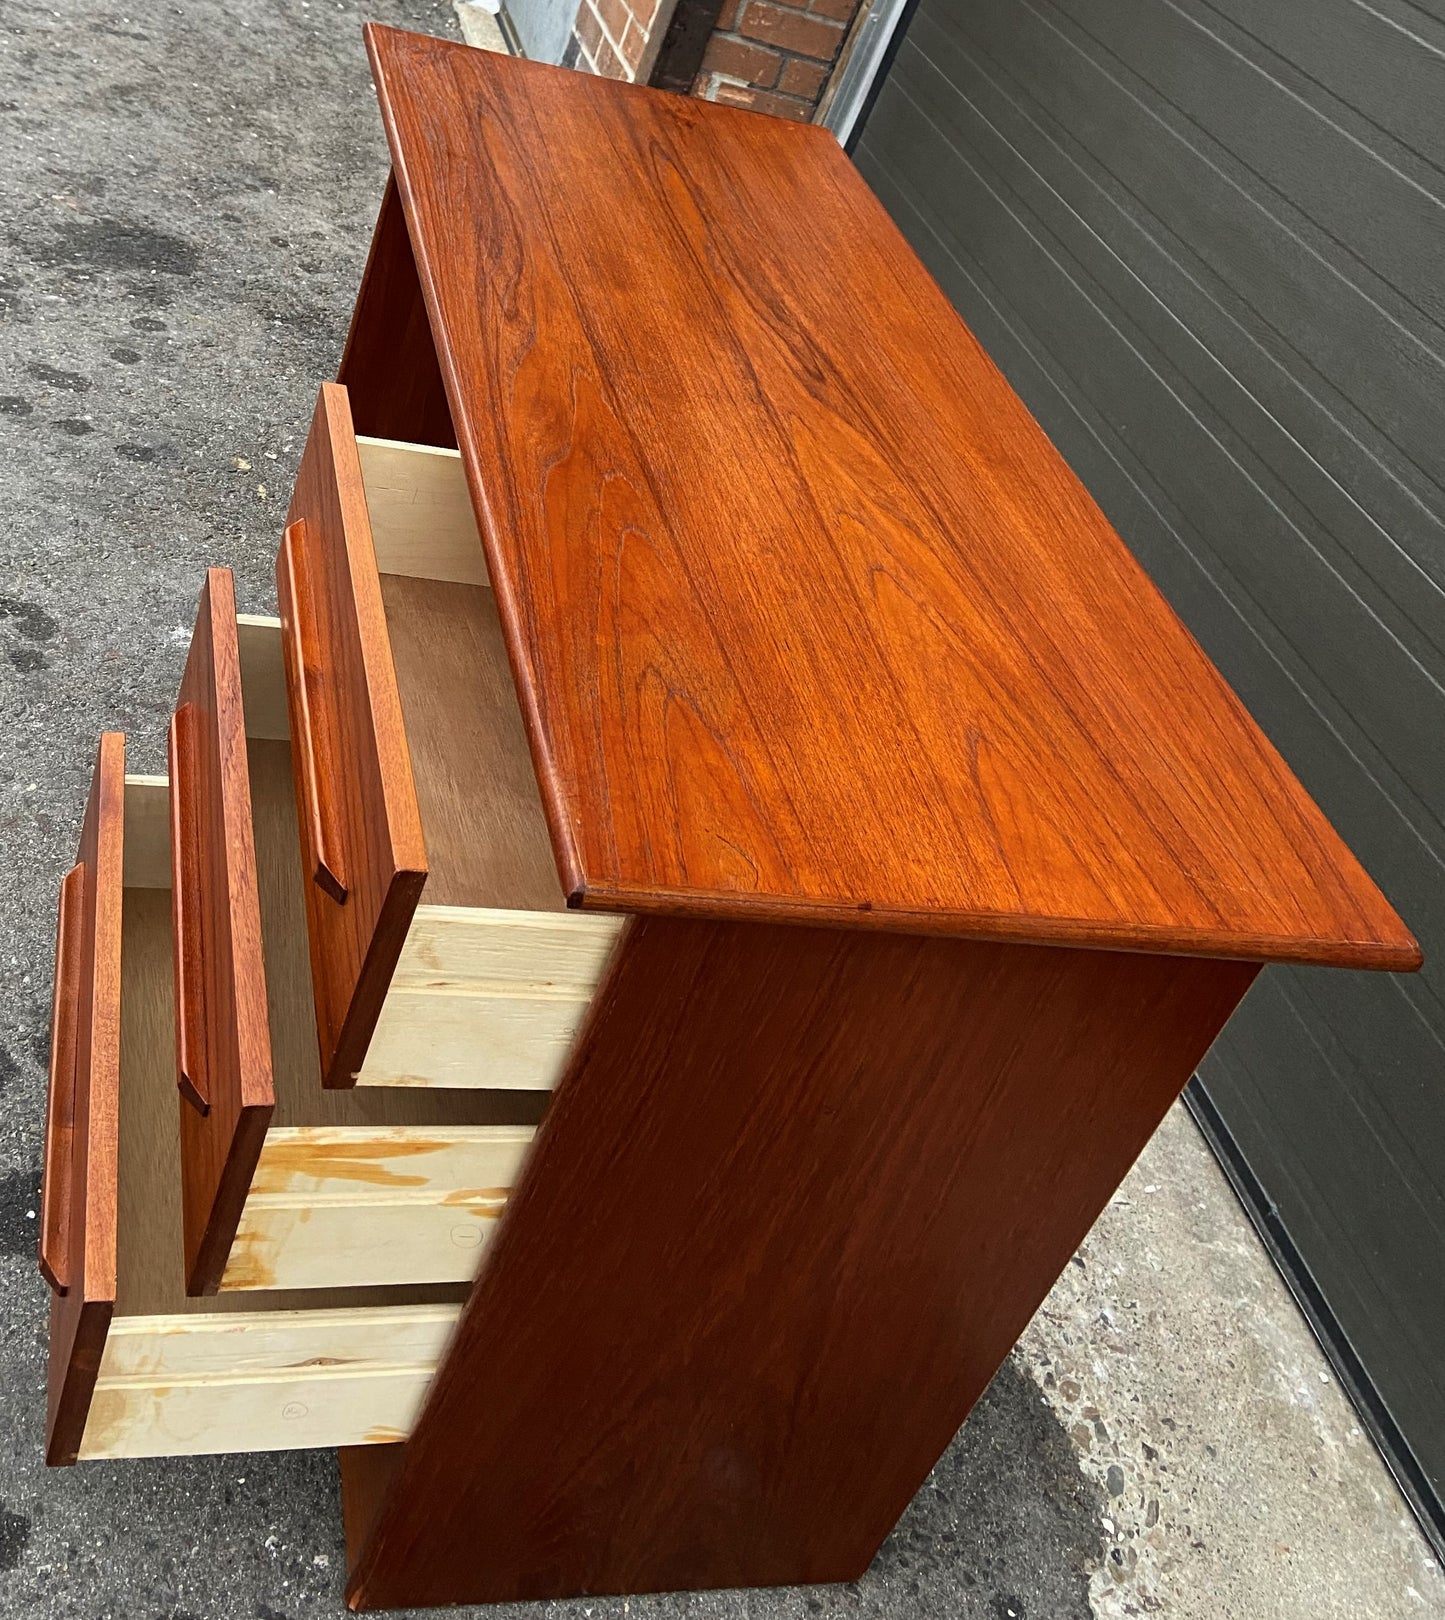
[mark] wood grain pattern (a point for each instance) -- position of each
(842, 1169)
(482, 996)
(493, 1038)
(486, 998)
(80, 1318)
(55, 1186)
(263, 677)
(354, 1207)
(486, 833)
(229, 1033)
(150, 1271)
(147, 832)
(404, 674)
(346, 714)
(359, 1186)
(301, 1099)
(220, 1344)
(317, 776)
(180, 1386)
(822, 628)
(366, 1476)
(187, 943)
(389, 363)
(422, 521)
(125, 1272)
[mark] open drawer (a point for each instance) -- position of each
(136, 1367)
(286, 1184)
(412, 770)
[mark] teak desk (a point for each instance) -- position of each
(949, 851)
(915, 854)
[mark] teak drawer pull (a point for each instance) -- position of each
(185, 891)
(55, 1185)
(302, 651)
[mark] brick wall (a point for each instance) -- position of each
(618, 38)
(774, 56)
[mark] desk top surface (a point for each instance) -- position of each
(809, 619)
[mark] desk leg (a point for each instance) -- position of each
(389, 366)
(798, 1194)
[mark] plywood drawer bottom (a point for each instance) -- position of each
(263, 1381)
(363, 1204)
(487, 998)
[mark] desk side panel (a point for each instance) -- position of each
(797, 1196)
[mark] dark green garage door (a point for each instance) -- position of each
(1206, 243)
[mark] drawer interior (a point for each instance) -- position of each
(496, 975)
(377, 1185)
(486, 833)
(231, 1372)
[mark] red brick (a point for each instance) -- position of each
(634, 42)
(755, 64)
(728, 17)
(763, 101)
(838, 10)
(644, 11)
(609, 64)
(615, 18)
(800, 78)
(588, 29)
(791, 30)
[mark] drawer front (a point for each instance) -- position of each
(79, 1191)
(223, 1040)
(344, 1188)
(137, 1369)
(361, 834)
